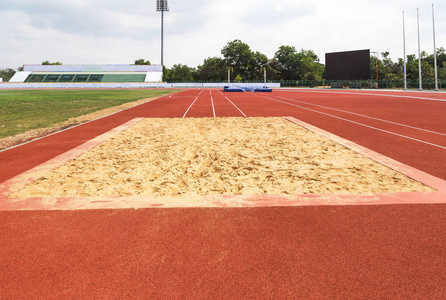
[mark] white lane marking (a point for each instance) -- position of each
(233, 104)
(213, 108)
(192, 104)
(366, 94)
(357, 123)
(365, 116)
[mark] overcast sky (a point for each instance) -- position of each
(121, 31)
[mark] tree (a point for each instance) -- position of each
(260, 61)
(239, 56)
(272, 69)
(6, 74)
(288, 62)
(213, 68)
(180, 73)
(48, 63)
(141, 61)
(309, 66)
(293, 65)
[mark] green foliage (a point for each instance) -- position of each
(213, 68)
(238, 79)
(6, 74)
(302, 65)
(389, 70)
(291, 65)
(239, 56)
(141, 61)
(48, 63)
(180, 73)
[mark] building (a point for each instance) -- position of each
(89, 73)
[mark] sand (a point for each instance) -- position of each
(218, 156)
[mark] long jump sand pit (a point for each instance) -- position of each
(186, 158)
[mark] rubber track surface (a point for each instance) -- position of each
(320, 252)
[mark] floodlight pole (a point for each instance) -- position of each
(419, 52)
(435, 51)
(161, 5)
(162, 38)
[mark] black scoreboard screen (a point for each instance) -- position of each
(348, 65)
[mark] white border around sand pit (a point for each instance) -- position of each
(77, 203)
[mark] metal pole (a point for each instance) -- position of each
(419, 52)
(264, 76)
(376, 61)
(435, 50)
(404, 46)
(162, 37)
(229, 76)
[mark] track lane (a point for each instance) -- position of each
(201, 107)
(223, 107)
(324, 252)
(412, 111)
(408, 151)
(435, 139)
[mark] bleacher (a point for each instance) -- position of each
(88, 73)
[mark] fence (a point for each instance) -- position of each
(428, 84)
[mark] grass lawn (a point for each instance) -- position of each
(21, 111)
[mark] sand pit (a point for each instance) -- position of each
(218, 156)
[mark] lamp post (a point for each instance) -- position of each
(161, 5)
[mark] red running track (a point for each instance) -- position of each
(323, 252)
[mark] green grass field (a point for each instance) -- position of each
(21, 111)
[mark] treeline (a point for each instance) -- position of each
(389, 70)
(287, 64)
(6, 74)
(290, 64)
(247, 65)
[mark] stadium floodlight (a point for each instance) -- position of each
(161, 5)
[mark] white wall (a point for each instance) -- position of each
(20, 76)
(154, 77)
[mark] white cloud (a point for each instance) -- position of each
(120, 31)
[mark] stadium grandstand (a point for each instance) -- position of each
(89, 73)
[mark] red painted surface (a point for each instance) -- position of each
(320, 252)
(313, 252)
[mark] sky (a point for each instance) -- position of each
(122, 31)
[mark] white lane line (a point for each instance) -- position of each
(192, 104)
(213, 108)
(357, 123)
(365, 116)
(233, 104)
(366, 94)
